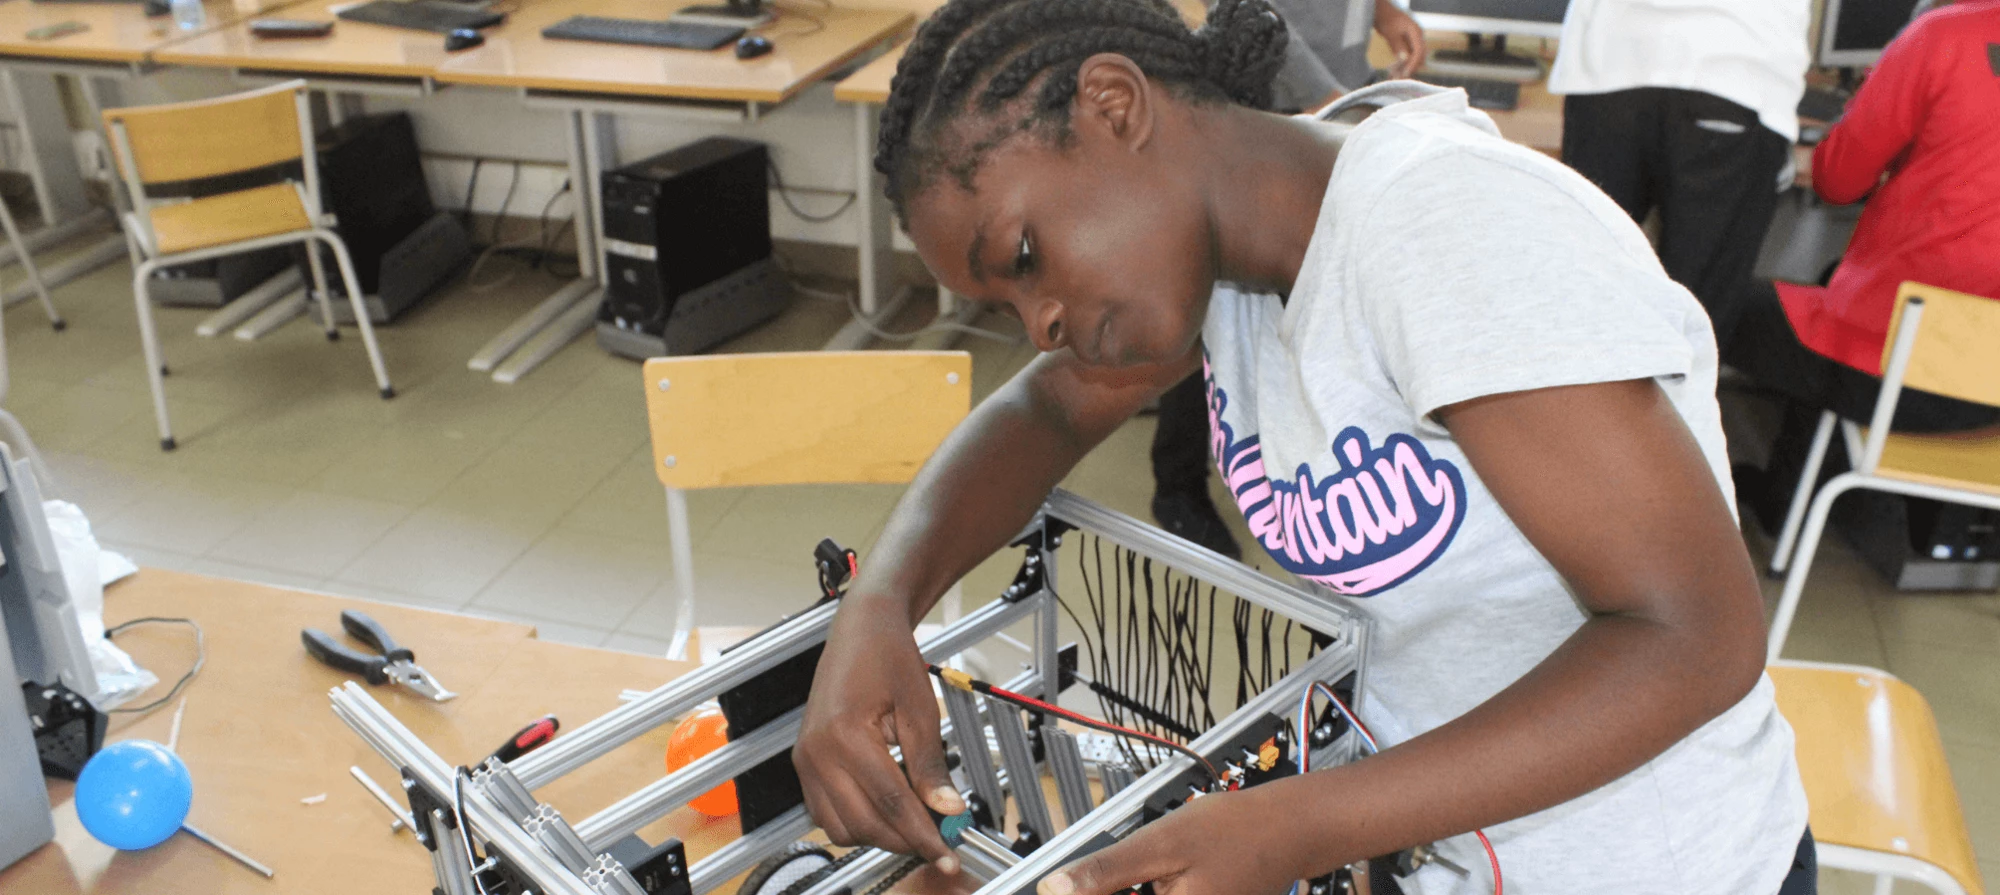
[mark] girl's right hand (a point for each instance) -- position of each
(872, 691)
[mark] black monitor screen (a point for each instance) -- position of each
(1868, 24)
(1517, 10)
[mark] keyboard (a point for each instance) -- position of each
(422, 15)
(1499, 96)
(643, 32)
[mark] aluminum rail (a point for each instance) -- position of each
(726, 862)
(866, 868)
(599, 736)
(990, 850)
(654, 801)
(393, 741)
(1276, 699)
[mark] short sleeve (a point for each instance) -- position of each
(1482, 274)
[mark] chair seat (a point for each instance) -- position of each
(230, 217)
(1874, 767)
(1970, 462)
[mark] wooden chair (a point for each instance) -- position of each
(1881, 795)
(1942, 342)
(267, 129)
(735, 420)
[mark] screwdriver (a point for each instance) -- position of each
(534, 736)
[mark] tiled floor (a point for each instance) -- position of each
(536, 502)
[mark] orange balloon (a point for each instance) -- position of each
(697, 735)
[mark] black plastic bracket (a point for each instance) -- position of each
(659, 869)
(422, 803)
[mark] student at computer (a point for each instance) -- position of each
(1688, 108)
(1326, 55)
(1926, 119)
(1568, 642)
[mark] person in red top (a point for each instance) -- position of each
(1920, 141)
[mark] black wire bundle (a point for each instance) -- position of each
(1151, 646)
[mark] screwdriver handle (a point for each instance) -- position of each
(369, 631)
(528, 738)
(323, 647)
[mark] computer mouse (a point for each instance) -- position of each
(753, 46)
(462, 39)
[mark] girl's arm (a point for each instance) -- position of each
(1608, 483)
(982, 486)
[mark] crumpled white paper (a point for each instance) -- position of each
(87, 568)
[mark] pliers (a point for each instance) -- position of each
(394, 663)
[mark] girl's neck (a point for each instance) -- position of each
(1263, 202)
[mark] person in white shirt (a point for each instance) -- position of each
(1446, 378)
(1326, 55)
(1687, 107)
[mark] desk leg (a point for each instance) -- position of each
(572, 310)
(872, 241)
(58, 182)
(50, 158)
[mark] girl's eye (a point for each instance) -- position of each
(1024, 258)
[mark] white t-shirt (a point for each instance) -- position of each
(1751, 52)
(1448, 264)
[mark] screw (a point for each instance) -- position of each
(663, 384)
(669, 461)
(949, 378)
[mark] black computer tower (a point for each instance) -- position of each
(372, 182)
(687, 249)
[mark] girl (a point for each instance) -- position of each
(1569, 636)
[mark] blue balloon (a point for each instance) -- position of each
(133, 794)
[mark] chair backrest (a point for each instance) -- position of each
(207, 138)
(1957, 348)
(212, 137)
(1874, 767)
(1943, 342)
(820, 417)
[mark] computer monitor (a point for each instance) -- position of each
(1853, 33)
(1525, 18)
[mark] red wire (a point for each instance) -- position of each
(1059, 711)
(1491, 858)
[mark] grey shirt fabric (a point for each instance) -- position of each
(1327, 51)
(1448, 264)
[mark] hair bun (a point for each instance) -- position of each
(1242, 48)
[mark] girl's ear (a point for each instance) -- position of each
(1114, 99)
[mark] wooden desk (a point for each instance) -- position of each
(869, 84)
(259, 736)
(516, 55)
(119, 32)
(353, 49)
(803, 52)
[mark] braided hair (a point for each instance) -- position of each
(1014, 65)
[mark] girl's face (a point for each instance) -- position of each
(1101, 246)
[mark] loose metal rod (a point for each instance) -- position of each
(392, 740)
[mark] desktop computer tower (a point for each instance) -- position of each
(687, 250)
(372, 182)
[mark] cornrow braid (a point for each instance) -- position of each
(983, 57)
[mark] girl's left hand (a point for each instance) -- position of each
(1218, 844)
